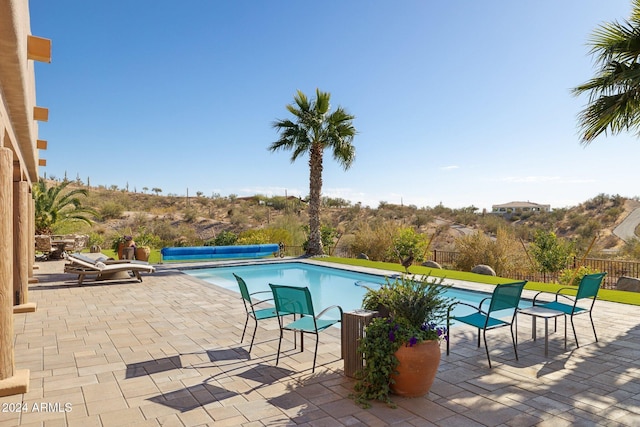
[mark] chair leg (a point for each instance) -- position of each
(486, 348)
(246, 321)
(514, 339)
(279, 343)
(574, 332)
(253, 337)
(565, 332)
(447, 335)
(315, 355)
(593, 326)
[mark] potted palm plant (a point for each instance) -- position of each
(143, 245)
(402, 349)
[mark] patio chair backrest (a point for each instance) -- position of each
(590, 285)
(244, 291)
(292, 300)
(506, 296)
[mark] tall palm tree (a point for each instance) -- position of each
(52, 206)
(313, 130)
(614, 93)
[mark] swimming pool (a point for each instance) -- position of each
(328, 285)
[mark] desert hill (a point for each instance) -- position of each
(197, 219)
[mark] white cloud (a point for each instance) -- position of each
(547, 179)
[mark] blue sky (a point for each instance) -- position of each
(459, 102)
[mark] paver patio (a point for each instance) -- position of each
(167, 352)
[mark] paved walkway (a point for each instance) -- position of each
(167, 352)
(626, 230)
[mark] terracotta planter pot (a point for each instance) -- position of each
(142, 253)
(417, 369)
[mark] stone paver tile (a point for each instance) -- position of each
(122, 417)
(425, 408)
(257, 410)
(153, 408)
(138, 387)
(9, 419)
(195, 417)
(93, 421)
(64, 383)
(232, 422)
(219, 413)
(171, 420)
(101, 391)
(106, 405)
(98, 369)
(340, 408)
(42, 414)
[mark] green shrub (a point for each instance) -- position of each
(551, 253)
(565, 275)
(374, 240)
(111, 210)
(263, 236)
(407, 241)
(224, 238)
(504, 254)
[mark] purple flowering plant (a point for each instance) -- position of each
(414, 310)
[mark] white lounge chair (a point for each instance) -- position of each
(105, 269)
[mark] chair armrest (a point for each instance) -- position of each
(568, 297)
(261, 300)
(482, 302)
(261, 292)
(556, 294)
(253, 304)
(330, 308)
(477, 308)
(559, 291)
(535, 297)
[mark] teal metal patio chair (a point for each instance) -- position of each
(568, 304)
(504, 297)
(250, 308)
(296, 301)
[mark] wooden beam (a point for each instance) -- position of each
(41, 114)
(39, 49)
(41, 144)
(42, 162)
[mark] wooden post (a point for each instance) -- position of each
(32, 242)
(20, 242)
(6, 268)
(12, 381)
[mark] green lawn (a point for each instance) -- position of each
(632, 298)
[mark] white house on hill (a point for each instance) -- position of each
(519, 208)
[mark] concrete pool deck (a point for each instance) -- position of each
(166, 352)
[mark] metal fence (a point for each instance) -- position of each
(614, 268)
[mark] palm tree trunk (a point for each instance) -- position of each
(314, 246)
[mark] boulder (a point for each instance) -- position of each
(432, 264)
(362, 256)
(626, 283)
(483, 269)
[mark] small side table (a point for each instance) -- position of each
(353, 325)
(546, 314)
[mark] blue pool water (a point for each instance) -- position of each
(328, 286)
